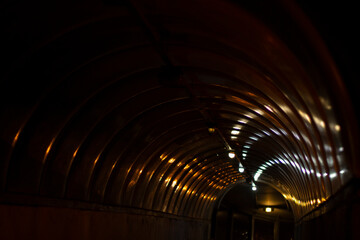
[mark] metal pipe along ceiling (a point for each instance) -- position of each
(111, 102)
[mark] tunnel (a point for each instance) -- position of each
(153, 119)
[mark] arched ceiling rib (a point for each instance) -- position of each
(112, 105)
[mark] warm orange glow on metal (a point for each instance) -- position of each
(163, 157)
(75, 152)
(129, 139)
(16, 138)
(48, 149)
(95, 161)
(312, 202)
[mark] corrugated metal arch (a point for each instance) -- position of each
(113, 106)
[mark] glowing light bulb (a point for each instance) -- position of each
(231, 154)
(268, 209)
(241, 168)
(254, 188)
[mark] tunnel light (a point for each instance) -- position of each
(254, 188)
(231, 154)
(211, 130)
(241, 168)
(268, 209)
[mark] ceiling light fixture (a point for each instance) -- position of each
(241, 168)
(268, 209)
(231, 154)
(211, 130)
(254, 188)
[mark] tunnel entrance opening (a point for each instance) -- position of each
(243, 214)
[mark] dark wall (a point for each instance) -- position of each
(231, 225)
(24, 222)
(342, 223)
(339, 218)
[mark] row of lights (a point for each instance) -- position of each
(232, 155)
(236, 131)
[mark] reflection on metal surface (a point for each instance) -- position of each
(171, 160)
(235, 131)
(16, 138)
(307, 203)
(48, 149)
(129, 137)
(163, 157)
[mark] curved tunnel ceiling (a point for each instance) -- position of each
(111, 102)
